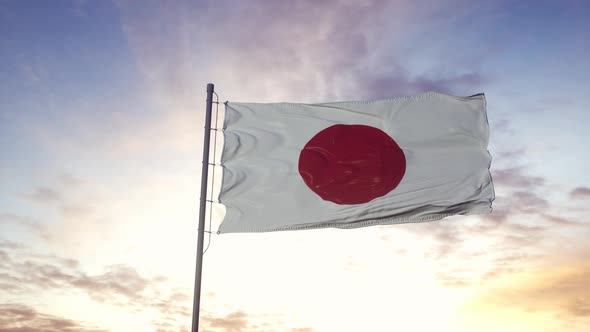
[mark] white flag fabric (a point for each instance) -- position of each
(293, 166)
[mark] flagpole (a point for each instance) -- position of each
(203, 206)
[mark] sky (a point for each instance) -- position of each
(101, 125)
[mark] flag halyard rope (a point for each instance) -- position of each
(214, 164)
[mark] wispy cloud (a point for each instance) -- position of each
(122, 286)
(517, 177)
(23, 318)
(44, 195)
(560, 289)
(580, 192)
(68, 205)
(23, 272)
(30, 224)
(233, 322)
(400, 84)
(239, 321)
(516, 237)
(309, 50)
(33, 272)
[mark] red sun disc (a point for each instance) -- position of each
(351, 164)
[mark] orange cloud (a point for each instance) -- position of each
(562, 290)
(556, 294)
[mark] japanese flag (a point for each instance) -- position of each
(352, 164)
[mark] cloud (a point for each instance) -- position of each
(34, 272)
(580, 192)
(560, 289)
(118, 281)
(28, 223)
(23, 318)
(527, 201)
(400, 83)
(473, 253)
(516, 194)
(504, 126)
(176, 304)
(121, 286)
(74, 214)
(515, 237)
(70, 181)
(308, 51)
(23, 271)
(561, 221)
(10, 244)
(552, 295)
(240, 321)
(44, 195)
(70, 209)
(517, 178)
(66, 184)
(232, 322)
